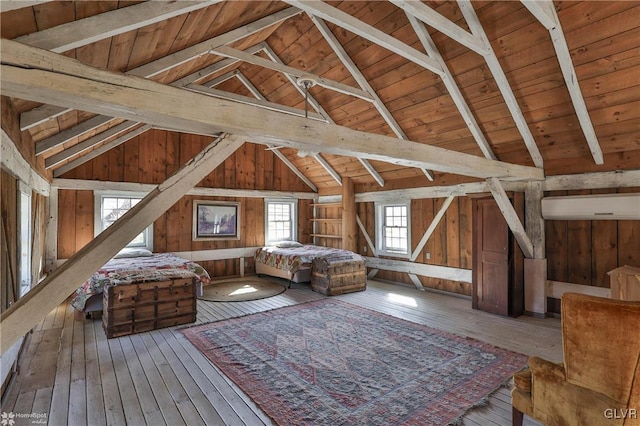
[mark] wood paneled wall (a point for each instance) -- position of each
(583, 251)
(580, 252)
(156, 154)
(449, 245)
(172, 232)
(8, 239)
(151, 158)
(10, 123)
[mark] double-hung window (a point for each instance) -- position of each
(280, 220)
(109, 207)
(393, 229)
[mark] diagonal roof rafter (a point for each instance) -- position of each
(499, 76)
(254, 90)
(545, 12)
(316, 105)
(478, 42)
(44, 113)
(41, 76)
(364, 84)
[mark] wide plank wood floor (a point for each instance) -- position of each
(70, 373)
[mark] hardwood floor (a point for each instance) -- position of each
(70, 373)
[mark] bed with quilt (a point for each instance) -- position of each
(331, 271)
(139, 291)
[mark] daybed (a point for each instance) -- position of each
(331, 271)
(142, 293)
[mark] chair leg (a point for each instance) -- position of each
(516, 417)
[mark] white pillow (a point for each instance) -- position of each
(287, 244)
(132, 252)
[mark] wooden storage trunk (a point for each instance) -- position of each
(135, 308)
(332, 276)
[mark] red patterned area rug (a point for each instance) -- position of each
(328, 362)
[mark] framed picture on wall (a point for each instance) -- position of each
(216, 220)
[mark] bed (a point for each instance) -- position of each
(142, 293)
(331, 271)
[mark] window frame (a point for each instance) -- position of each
(25, 232)
(293, 203)
(381, 248)
(99, 197)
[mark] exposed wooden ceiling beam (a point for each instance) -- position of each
(332, 172)
(310, 99)
(108, 24)
(93, 185)
(266, 63)
(364, 84)
(43, 113)
(598, 180)
(34, 306)
(7, 5)
(366, 31)
(254, 90)
(12, 161)
(362, 81)
(372, 171)
(452, 87)
(222, 78)
(511, 217)
(293, 167)
(316, 105)
(33, 74)
(542, 11)
(69, 134)
(100, 150)
(503, 84)
(357, 75)
(545, 12)
(62, 156)
(442, 24)
(221, 94)
(46, 145)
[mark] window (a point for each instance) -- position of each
(25, 238)
(392, 230)
(280, 221)
(111, 207)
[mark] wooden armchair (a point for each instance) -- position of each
(599, 381)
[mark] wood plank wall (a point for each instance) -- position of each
(580, 252)
(10, 123)
(9, 240)
(151, 158)
(449, 245)
(583, 251)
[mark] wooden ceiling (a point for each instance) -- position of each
(603, 39)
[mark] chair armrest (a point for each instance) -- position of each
(542, 367)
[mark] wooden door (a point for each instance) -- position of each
(490, 258)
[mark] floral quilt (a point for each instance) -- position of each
(159, 267)
(290, 259)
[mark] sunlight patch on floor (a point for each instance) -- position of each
(243, 290)
(403, 300)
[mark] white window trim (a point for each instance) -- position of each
(380, 249)
(294, 215)
(97, 224)
(25, 235)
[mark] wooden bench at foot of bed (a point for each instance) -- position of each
(139, 307)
